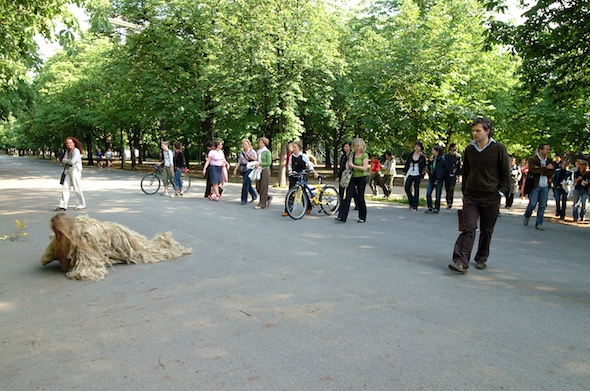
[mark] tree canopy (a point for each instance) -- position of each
(393, 72)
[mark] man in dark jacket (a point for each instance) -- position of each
(486, 177)
(542, 169)
(453, 160)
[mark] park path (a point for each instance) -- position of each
(268, 303)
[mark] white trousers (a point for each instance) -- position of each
(73, 178)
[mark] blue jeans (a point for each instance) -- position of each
(538, 195)
(580, 199)
(429, 190)
(177, 180)
(247, 187)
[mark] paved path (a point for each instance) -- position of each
(269, 303)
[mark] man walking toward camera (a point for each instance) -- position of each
(486, 176)
(542, 169)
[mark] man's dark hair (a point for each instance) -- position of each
(388, 153)
(542, 146)
(451, 145)
(486, 123)
(438, 149)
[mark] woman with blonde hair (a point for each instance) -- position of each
(73, 163)
(356, 188)
(263, 165)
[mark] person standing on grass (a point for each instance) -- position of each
(486, 177)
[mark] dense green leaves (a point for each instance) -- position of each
(392, 73)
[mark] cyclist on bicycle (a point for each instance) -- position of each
(299, 162)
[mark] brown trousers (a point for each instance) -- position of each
(485, 209)
(262, 187)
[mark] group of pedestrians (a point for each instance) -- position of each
(254, 166)
(442, 169)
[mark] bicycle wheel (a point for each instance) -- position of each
(329, 200)
(296, 203)
(150, 184)
(186, 181)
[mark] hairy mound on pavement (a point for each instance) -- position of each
(85, 247)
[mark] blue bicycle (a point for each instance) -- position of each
(299, 196)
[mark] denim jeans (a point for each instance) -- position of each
(580, 199)
(538, 195)
(247, 187)
(430, 189)
(177, 180)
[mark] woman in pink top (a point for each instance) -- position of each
(216, 161)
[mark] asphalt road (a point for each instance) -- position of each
(269, 303)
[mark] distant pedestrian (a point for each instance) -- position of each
(179, 167)
(108, 155)
(208, 148)
(562, 182)
(167, 164)
(413, 174)
(389, 173)
(359, 163)
(264, 162)
(453, 160)
(542, 168)
(515, 176)
(247, 155)
(73, 162)
(215, 163)
(437, 175)
(485, 179)
(375, 180)
(98, 156)
(581, 183)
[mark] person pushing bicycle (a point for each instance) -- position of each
(299, 162)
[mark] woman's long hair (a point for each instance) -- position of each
(62, 224)
(77, 144)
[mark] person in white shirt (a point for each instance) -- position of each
(388, 173)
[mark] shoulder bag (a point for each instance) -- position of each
(346, 176)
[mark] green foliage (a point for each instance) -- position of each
(20, 21)
(395, 72)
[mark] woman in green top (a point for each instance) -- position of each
(264, 162)
(356, 189)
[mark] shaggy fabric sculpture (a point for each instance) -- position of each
(85, 247)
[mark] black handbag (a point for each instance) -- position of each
(63, 177)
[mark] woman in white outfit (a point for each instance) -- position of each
(73, 162)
